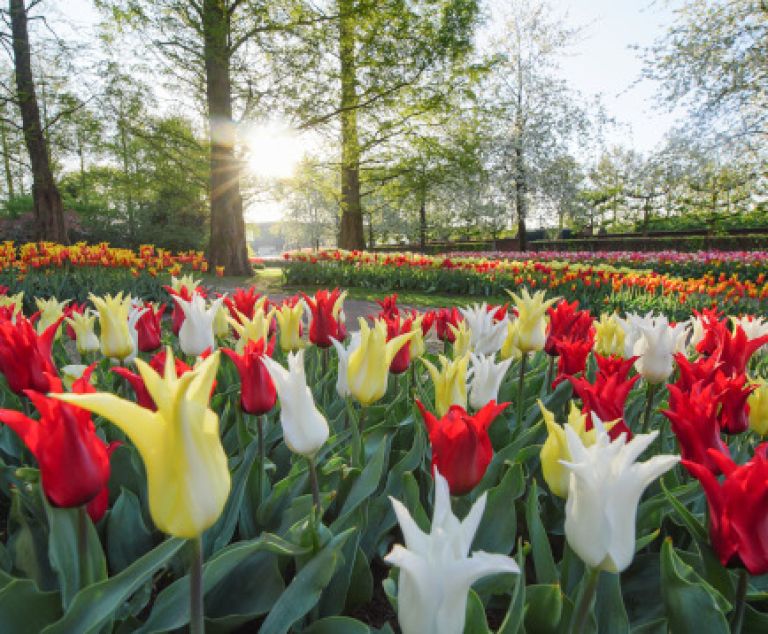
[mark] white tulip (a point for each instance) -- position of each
(632, 333)
(486, 336)
(657, 344)
(305, 429)
(487, 376)
(196, 334)
(342, 382)
(603, 493)
(753, 327)
(436, 569)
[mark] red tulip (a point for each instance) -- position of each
(461, 449)
(73, 460)
(25, 356)
(389, 307)
(693, 417)
(738, 509)
(499, 312)
(733, 394)
(257, 394)
(157, 363)
(325, 325)
(565, 321)
(244, 302)
(98, 505)
(734, 350)
(427, 322)
(711, 319)
(573, 354)
(607, 396)
(444, 318)
(395, 327)
(691, 372)
(150, 327)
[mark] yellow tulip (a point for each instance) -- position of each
(450, 383)
(85, 334)
(555, 447)
(368, 367)
(531, 319)
(15, 301)
(289, 321)
(116, 341)
(187, 473)
(220, 322)
(758, 409)
(50, 311)
(418, 346)
(609, 336)
(185, 281)
(462, 339)
(510, 349)
(252, 329)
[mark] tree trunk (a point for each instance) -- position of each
(227, 246)
(351, 235)
(48, 209)
(520, 199)
(6, 159)
(423, 224)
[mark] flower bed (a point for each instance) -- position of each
(536, 466)
(598, 284)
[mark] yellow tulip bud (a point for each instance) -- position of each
(450, 383)
(185, 281)
(609, 336)
(252, 329)
(418, 346)
(531, 319)
(85, 333)
(463, 337)
(50, 311)
(187, 472)
(368, 367)
(116, 341)
(289, 322)
(510, 348)
(758, 409)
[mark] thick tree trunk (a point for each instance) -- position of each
(351, 234)
(521, 203)
(227, 246)
(423, 224)
(49, 211)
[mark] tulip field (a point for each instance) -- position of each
(584, 456)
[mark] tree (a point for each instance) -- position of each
(48, 208)
(538, 112)
(714, 60)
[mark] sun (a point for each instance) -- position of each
(274, 150)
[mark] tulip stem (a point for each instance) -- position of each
(650, 394)
(741, 602)
(262, 457)
(82, 544)
(550, 374)
(314, 484)
(585, 600)
(196, 623)
(520, 390)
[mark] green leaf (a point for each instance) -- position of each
(513, 621)
(337, 625)
(688, 598)
(543, 561)
(544, 608)
(65, 524)
(366, 484)
(23, 608)
(498, 528)
(609, 605)
(95, 605)
(696, 528)
(304, 591)
(475, 623)
(128, 537)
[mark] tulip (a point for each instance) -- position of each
(150, 327)
(326, 309)
(572, 356)
(632, 332)
(486, 333)
(566, 322)
(691, 372)
(733, 393)
(51, 311)
(461, 449)
(253, 329)
(257, 391)
(116, 341)
(395, 327)
(25, 356)
(609, 336)
(462, 339)
(531, 319)
(342, 383)
(753, 327)
(607, 396)
(71, 373)
(389, 308)
(555, 447)
(758, 409)
(510, 348)
(14, 302)
(73, 460)
(487, 376)
(157, 363)
(656, 346)
(305, 429)
(134, 316)
(734, 350)
(603, 493)
(244, 302)
(450, 383)
(196, 333)
(289, 321)
(417, 344)
(704, 338)
(444, 318)
(83, 324)
(436, 569)
(369, 363)
(693, 418)
(187, 472)
(738, 509)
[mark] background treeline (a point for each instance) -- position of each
(429, 121)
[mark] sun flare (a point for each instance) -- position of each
(274, 150)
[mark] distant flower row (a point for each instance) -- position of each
(620, 257)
